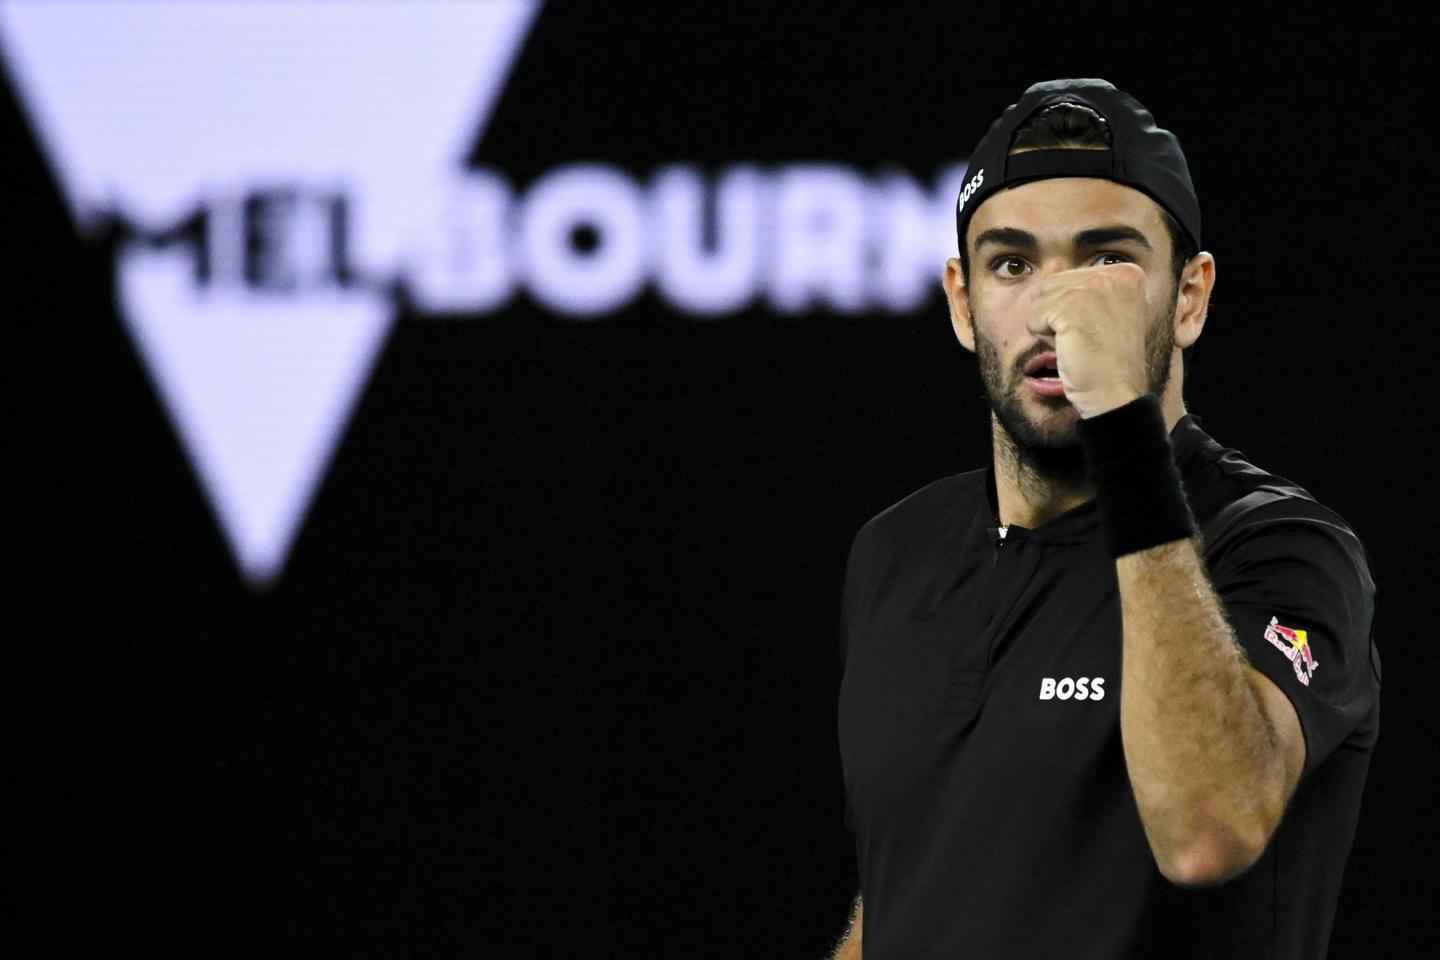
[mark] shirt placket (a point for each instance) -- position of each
(1012, 565)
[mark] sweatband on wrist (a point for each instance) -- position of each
(1138, 492)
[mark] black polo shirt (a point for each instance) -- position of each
(979, 724)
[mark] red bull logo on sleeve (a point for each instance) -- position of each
(1295, 645)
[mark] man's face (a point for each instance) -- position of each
(1039, 228)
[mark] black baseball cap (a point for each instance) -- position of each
(1141, 155)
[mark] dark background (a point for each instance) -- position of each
(552, 669)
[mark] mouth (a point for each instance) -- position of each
(1043, 367)
(1043, 375)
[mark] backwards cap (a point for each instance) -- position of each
(1140, 155)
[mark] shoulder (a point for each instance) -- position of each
(910, 534)
(1237, 503)
(918, 515)
(1267, 540)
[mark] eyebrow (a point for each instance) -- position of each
(1104, 236)
(1084, 240)
(1006, 237)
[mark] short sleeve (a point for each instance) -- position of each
(856, 566)
(1299, 594)
(846, 592)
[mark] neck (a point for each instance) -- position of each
(1032, 498)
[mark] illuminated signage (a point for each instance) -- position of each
(283, 168)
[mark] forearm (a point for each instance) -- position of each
(1205, 766)
(849, 946)
(1207, 769)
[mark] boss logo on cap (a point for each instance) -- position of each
(971, 187)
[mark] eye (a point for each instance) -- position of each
(1008, 266)
(1113, 256)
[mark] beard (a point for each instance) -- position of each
(1058, 457)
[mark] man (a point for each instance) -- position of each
(1115, 694)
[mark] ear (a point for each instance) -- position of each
(1192, 301)
(959, 299)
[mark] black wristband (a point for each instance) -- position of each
(1138, 492)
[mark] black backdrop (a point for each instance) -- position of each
(552, 668)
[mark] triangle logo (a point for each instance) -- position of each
(270, 161)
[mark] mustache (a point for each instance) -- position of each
(1022, 362)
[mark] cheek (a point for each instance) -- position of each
(1006, 315)
(999, 316)
(1160, 295)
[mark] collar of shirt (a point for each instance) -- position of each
(1079, 523)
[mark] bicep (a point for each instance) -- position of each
(1300, 599)
(1284, 723)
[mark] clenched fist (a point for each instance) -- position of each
(1096, 320)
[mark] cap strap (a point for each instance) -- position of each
(1061, 162)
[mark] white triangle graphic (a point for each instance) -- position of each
(153, 110)
(259, 385)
